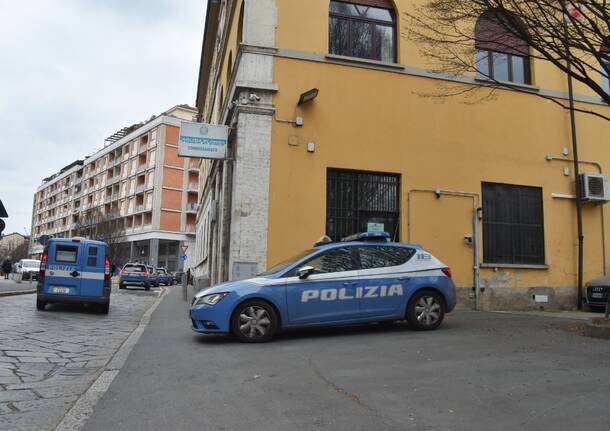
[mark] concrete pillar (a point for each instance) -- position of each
(153, 255)
(131, 251)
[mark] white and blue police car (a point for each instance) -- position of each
(363, 278)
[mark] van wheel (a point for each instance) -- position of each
(104, 308)
(425, 311)
(40, 305)
(254, 322)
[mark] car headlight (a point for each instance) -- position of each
(211, 299)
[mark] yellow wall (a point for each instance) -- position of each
(373, 120)
(303, 26)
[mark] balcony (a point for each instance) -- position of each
(193, 187)
(143, 149)
(194, 165)
(140, 188)
(113, 180)
(190, 228)
(141, 168)
(192, 207)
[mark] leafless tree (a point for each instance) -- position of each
(21, 251)
(553, 30)
(95, 224)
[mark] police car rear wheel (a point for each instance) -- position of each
(254, 322)
(40, 305)
(425, 311)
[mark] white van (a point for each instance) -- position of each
(28, 268)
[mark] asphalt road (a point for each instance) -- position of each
(480, 371)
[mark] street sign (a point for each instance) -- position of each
(204, 141)
(3, 212)
(184, 248)
(183, 256)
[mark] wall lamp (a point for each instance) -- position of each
(308, 96)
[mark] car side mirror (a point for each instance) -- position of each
(305, 272)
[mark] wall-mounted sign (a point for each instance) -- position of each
(374, 227)
(205, 141)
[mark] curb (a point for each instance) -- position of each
(17, 292)
(82, 409)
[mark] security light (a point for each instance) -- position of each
(308, 96)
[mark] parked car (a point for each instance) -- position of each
(153, 276)
(597, 292)
(134, 274)
(28, 268)
(178, 276)
(361, 279)
(74, 271)
(164, 277)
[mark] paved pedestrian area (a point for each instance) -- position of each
(11, 286)
(48, 359)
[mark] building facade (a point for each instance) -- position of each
(137, 184)
(487, 187)
(10, 243)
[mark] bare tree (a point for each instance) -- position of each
(21, 251)
(551, 30)
(95, 224)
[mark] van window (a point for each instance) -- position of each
(92, 258)
(65, 254)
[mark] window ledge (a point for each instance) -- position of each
(508, 85)
(357, 60)
(513, 266)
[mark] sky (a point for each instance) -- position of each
(74, 72)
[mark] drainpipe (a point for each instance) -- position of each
(550, 158)
(475, 230)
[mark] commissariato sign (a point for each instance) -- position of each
(205, 141)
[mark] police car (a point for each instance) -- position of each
(364, 278)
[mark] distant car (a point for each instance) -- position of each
(28, 268)
(153, 276)
(164, 277)
(361, 279)
(74, 270)
(134, 274)
(178, 276)
(597, 292)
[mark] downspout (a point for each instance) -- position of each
(475, 230)
(550, 158)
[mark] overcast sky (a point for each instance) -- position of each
(74, 72)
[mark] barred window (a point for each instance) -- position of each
(513, 227)
(357, 201)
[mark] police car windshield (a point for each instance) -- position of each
(285, 264)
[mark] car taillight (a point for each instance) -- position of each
(43, 265)
(107, 269)
(447, 272)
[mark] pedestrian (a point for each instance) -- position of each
(6, 267)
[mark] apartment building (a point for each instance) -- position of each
(487, 187)
(138, 182)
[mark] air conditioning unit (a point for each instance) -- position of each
(594, 187)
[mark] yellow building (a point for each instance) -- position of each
(372, 151)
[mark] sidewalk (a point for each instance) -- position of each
(9, 287)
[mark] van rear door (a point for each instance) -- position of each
(92, 277)
(63, 274)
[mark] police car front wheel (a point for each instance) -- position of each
(426, 310)
(254, 322)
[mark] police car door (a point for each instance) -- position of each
(62, 274)
(328, 294)
(384, 280)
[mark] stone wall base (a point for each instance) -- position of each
(520, 299)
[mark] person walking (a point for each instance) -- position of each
(6, 267)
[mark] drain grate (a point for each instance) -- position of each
(72, 371)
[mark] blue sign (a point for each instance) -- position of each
(183, 256)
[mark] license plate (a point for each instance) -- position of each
(61, 290)
(597, 295)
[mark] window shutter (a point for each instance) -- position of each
(492, 34)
